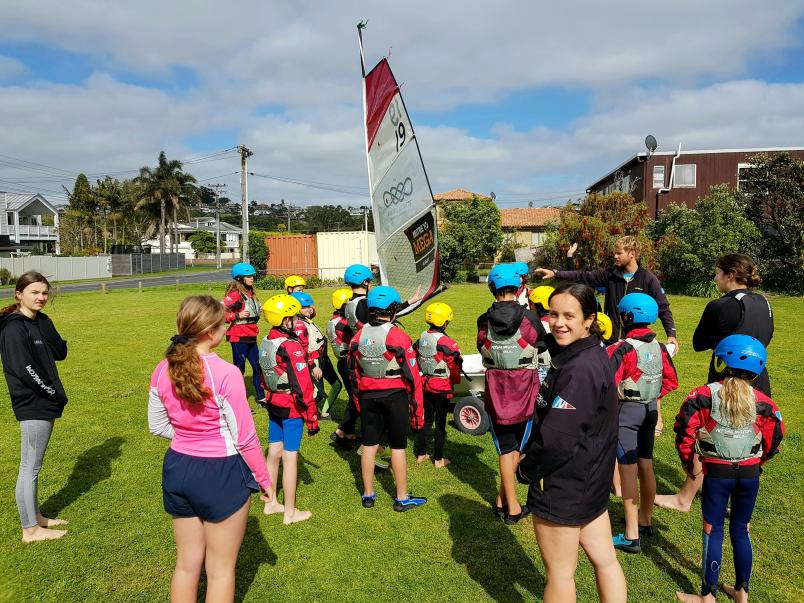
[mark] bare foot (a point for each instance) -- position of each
(672, 502)
(37, 533)
(441, 463)
(685, 598)
(735, 595)
(296, 516)
(273, 507)
(422, 458)
(45, 522)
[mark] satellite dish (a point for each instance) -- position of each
(493, 196)
(650, 143)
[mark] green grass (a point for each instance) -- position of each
(103, 472)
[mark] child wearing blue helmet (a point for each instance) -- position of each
(388, 393)
(735, 429)
(643, 373)
(508, 336)
(315, 344)
(243, 315)
(523, 292)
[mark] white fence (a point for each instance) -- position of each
(60, 268)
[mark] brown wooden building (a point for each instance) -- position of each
(671, 177)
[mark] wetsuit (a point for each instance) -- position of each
(317, 356)
(740, 311)
(388, 399)
(727, 479)
(242, 334)
(638, 375)
(511, 389)
(438, 386)
(569, 459)
(618, 284)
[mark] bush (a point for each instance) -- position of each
(689, 241)
(6, 278)
(257, 250)
(471, 234)
(276, 282)
(595, 224)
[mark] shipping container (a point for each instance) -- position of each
(337, 250)
(292, 254)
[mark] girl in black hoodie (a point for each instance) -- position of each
(30, 347)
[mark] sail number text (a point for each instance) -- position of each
(395, 114)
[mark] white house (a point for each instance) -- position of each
(231, 237)
(30, 221)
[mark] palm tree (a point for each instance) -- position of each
(166, 183)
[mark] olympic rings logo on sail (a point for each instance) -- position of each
(397, 194)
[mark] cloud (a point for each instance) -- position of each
(285, 77)
(11, 69)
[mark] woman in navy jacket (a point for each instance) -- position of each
(569, 459)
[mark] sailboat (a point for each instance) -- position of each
(401, 198)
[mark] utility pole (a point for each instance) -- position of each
(217, 188)
(244, 155)
(289, 207)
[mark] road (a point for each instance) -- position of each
(147, 281)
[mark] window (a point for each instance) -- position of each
(658, 176)
(684, 176)
(10, 218)
(746, 172)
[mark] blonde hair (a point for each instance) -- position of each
(629, 243)
(738, 402)
(198, 314)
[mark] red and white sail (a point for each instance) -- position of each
(401, 199)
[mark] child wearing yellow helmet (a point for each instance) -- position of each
(290, 401)
(440, 362)
(294, 284)
(339, 335)
(539, 302)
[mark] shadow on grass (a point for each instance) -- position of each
(93, 466)
(492, 555)
(672, 561)
(468, 468)
(254, 552)
(670, 477)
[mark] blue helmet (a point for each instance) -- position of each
(521, 268)
(639, 307)
(357, 274)
(303, 298)
(741, 353)
(504, 275)
(382, 297)
(243, 269)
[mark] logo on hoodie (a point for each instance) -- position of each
(561, 403)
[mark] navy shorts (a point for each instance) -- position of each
(388, 412)
(210, 488)
(510, 438)
(636, 434)
(288, 431)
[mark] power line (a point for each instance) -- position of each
(309, 184)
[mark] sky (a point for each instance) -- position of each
(531, 100)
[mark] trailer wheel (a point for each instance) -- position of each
(470, 416)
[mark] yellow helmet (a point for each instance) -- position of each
(279, 307)
(340, 297)
(541, 295)
(294, 280)
(604, 322)
(437, 314)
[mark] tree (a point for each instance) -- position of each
(689, 241)
(471, 234)
(595, 224)
(202, 241)
(258, 250)
(773, 194)
(163, 185)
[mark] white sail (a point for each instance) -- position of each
(401, 198)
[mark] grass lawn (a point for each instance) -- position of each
(103, 473)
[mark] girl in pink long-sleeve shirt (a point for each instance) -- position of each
(215, 460)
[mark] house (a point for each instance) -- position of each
(680, 176)
(30, 221)
(231, 237)
(526, 225)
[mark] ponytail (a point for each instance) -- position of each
(198, 314)
(742, 267)
(739, 404)
(23, 281)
